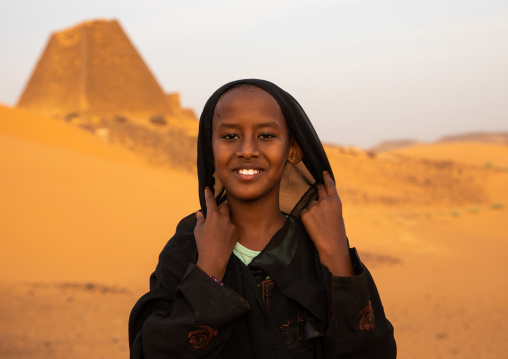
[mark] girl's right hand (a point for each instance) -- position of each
(216, 237)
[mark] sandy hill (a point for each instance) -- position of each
(482, 137)
(83, 220)
(45, 130)
(169, 144)
(393, 180)
(472, 153)
(82, 223)
(394, 144)
(500, 138)
(71, 203)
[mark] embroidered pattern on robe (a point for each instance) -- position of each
(366, 318)
(201, 336)
(266, 287)
(292, 331)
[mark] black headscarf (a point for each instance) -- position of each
(297, 185)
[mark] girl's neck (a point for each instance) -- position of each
(256, 222)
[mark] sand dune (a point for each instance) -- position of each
(473, 153)
(72, 215)
(78, 215)
(45, 130)
(392, 180)
(83, 222)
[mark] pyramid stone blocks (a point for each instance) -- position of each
(93, 68)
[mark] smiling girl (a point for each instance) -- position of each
(264, 269)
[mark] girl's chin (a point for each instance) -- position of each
(250, 195)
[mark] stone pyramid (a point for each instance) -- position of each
(93, 69)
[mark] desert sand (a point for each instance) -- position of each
(83, 221)
(473, 153)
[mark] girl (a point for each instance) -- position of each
(264, 270)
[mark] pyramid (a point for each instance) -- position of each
(93, 68)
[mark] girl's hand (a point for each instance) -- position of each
(324, 223)
(215, 237)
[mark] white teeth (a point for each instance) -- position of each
(249, 172)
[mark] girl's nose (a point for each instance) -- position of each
(247, 148)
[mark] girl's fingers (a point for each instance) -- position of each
(321, 191)
(211, 204)
(330, 187)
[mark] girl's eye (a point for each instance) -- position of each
(230, 136)
(266, 136)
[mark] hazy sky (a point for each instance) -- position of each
(364, 71)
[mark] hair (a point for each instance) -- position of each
(245, 85)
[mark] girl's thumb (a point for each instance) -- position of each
(199, 217)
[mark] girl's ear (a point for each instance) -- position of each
(295, 152)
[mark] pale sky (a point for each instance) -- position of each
(364, 71)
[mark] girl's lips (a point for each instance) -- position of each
(247, 174)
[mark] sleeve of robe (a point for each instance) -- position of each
(358, 327)
(186, 314)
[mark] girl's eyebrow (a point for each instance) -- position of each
(272, 124)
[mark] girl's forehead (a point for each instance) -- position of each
(247, 102)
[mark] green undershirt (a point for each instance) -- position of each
(246, 255)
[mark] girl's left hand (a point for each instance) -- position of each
(324, 223)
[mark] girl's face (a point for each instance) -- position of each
(251, 144)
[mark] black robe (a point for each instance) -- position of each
(285, 304)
